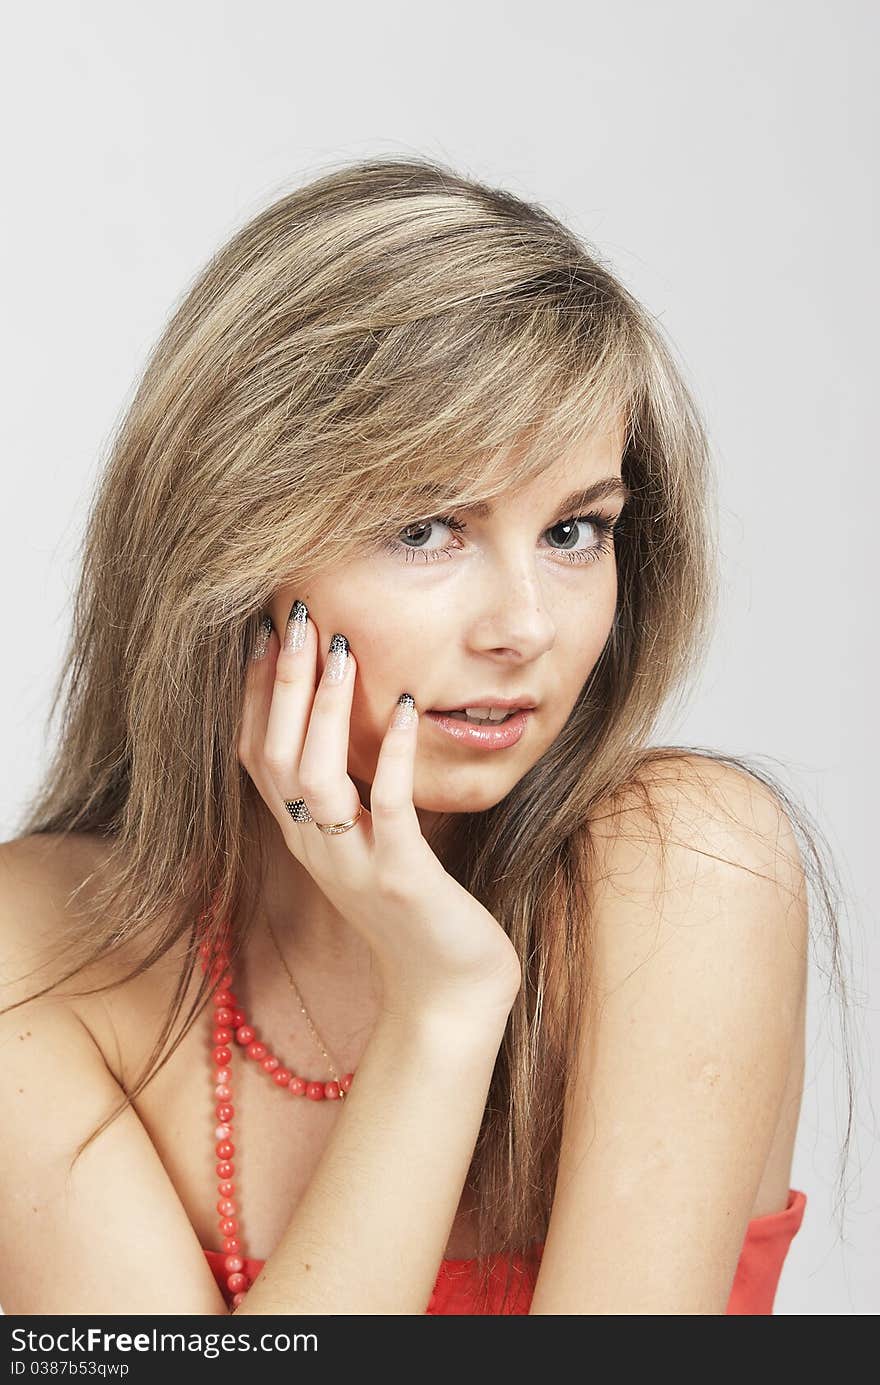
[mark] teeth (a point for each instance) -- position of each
(480, 715)
(487, 713)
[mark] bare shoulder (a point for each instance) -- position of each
(681, 1106)
(45, 880)
(699, 803)
(697, 860)
(688, 814)
(41, 877)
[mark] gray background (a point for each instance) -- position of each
(721, 156)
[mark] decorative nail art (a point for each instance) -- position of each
(405, 711)
(261, 643)
(337, 659)
(297, 625)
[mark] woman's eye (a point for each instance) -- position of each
(581, 538)
(418, 537)
(599, 541)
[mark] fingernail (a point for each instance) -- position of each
(405, 711)
(297, 625)
(261, 643)
(337, 659)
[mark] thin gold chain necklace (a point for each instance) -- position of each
(295, 989)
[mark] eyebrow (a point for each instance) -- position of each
(609, 488)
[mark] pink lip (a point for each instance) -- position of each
(486, 737)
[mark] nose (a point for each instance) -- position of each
(511, 617)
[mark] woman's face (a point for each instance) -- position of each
(519, 602)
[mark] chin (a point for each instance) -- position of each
(477, 800)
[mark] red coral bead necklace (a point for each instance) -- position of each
(229, 1023)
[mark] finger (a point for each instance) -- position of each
(323, 777)
(292, 696)
(257, 696)
(396, 829)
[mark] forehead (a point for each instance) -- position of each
(589, 471)
(527, 474)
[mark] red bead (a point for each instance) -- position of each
(233, 1264)
(225, 1149)
(297, 1086)
(225, 1110)
(315, 1091)
(226, 998)
(270, 1063)
(331, 1090)
(244, 1034)
(228, 1226)
(231, 1245)
(225, 1169)
(224, 1015)
(222, 1056)
(205, 949)
(237, 1283)
(222, 1091)
(222, 1035)
(222, 1132)
(237, 1299)
(226, 1207)
(281, 1076)
(345, 1082)
(256, 1050)
(238, 1017)
(226, 1188)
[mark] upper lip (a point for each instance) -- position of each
(524, 701)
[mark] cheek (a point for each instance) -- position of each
(389, 640)
(383, 626)
(584, 624)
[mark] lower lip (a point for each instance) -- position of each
(487, 737)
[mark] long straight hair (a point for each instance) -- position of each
(397, 335)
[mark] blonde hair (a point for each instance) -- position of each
(400, 336)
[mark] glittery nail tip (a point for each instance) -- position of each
(297, 625)
(337, 659)
(405, 711)
(261, 643)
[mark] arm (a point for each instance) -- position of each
(114, 1237)
(697, 979)
(371, 1229)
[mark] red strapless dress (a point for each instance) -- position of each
(754, 1286)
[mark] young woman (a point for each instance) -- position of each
(360, 955)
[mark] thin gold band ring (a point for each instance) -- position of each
(300, 813)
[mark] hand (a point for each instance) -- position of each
(435, 944)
